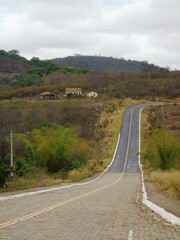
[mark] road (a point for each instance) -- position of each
(107, 209)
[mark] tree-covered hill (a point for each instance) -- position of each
(17, 71)
(12, 62)
(107, 64)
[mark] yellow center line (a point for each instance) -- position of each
(31, 215)
(36, 213)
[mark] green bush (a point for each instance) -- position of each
(24, 81)
(21, 166)
(4, 173)
(56, 148)
(163, 151)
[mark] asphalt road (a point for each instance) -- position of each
(127, 157)
(106, 209)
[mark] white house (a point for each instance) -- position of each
(92, 94)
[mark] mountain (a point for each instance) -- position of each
(107, 64)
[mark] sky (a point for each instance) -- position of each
(131, 29)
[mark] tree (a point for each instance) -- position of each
(56, 148)
(34, 60)
(24, 81)
(48, 66)
(3, 53)
(14, 52)
(36, 71)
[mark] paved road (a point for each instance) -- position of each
(107, 209)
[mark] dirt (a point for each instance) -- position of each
(156, 196)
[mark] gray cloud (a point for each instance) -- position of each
(136, 29)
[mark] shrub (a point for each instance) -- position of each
(163, 151)
(21, 166)
(56, 148)
(4, 174)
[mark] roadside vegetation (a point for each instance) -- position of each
(56, 142)
(161, 150)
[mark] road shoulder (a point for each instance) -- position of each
(156, 196)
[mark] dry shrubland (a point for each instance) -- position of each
(161, 148)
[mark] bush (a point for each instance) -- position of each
(21, 166)
(56, 148)
(163, 151)
(4, 174)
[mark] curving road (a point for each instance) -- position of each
(106, 209)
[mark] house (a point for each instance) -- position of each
(73, 91)
(47, 96)
(92, 94)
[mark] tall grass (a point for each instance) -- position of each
(169, 181)
(34, 179)
(80, 174)
(162, 151)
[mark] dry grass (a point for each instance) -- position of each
(80, 174)
(168, 181)
(35, 180)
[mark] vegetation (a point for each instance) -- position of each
(163, 151)
(24, 81)
(4, 173)
(69, 139)
(113, 85)
(55, 148)
(12, 54)
(107, 64)
(161, 155)
(67, 69)
(22, 78)
(62, 140)
(167, 181)
(17, 71)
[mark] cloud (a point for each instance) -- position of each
(136, 29)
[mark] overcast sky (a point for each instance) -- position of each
(132, 29)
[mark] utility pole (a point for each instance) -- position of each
(11, 148)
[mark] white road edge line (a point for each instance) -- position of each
(130, 235)
(161, 211)
(25, 194)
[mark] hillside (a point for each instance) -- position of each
(17, 71)
(18, 65)
(107, 64)
(20, 77)
(12, 62)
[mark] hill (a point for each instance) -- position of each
(17, 71)
(11, 62)
(108, 64)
